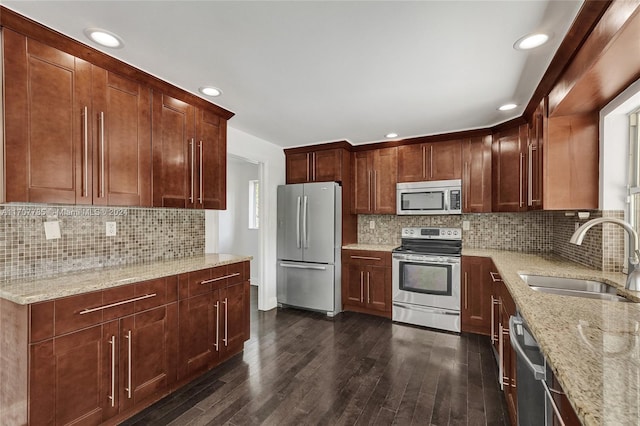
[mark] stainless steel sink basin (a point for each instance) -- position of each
(573, 287)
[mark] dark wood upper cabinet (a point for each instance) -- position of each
(75, 133)
(430, 161)
(316, 166)
(476, 175)
(509, 169)
(534, 159)
(189, 155)
(375, 175)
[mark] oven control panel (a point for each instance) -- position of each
(433, 233)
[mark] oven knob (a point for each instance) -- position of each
(412, 232)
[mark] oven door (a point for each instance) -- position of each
(427, 280)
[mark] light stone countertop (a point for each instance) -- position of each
(372, 247)
(32, 290)
(593, 346)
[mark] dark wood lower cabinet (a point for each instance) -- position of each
(366, 282)
(100, 357)
(476, 295)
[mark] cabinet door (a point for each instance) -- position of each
(384, 180)
(73, 378)
(47, 123)
(476, 175)
(411, 163)
(212, 161)
(445, 160)
(121, 122)
(327, 165)
(362, 196)
(298, 168)
(148, 349)
(197, 321)
(353, 279)
(508, 169)
(174, 152)
(232, 314)
(378, 288)
(476, 295)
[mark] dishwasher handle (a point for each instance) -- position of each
(515, 330)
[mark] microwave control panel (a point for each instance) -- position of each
(454, 200)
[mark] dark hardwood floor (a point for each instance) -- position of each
(304, 368)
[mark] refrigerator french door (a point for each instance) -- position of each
(309, 242)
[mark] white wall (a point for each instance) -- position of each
(272, 174)
(614, 148)
(234, 235)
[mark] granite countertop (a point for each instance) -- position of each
(371, 247)
(32, 290)
(593, 346)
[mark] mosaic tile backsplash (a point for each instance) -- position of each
(537, 231)
(143, 235)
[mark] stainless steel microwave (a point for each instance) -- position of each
(432, 197)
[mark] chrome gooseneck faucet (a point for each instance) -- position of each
(633, 279)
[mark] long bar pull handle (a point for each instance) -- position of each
(226, 322)
(521, 175)
(368, 288)
(495, 277)
(298, 206)
(466, 291)
(215, 345)
(370, 198)
(101, 153)
(129, 363)
(493, 319)
(305, 231)
(375, 189)
(85, 121)
(313, 166)
(530, 177)
(193, 160)
(200, 175)
(366, 258)
(111, 305)
(112, 397)
(219, 278)
(361, 286)
(466, 174)
(431, 161)
(296, 266)
(506, 380)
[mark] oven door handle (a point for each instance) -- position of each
(427, 309)
(430, 260)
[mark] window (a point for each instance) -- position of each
(254, 204)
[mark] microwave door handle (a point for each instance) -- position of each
(446, 200)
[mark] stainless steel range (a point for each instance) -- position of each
(426, 278)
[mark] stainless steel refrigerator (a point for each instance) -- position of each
(309, 244)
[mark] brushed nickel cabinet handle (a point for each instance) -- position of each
(361, 286)
(431, 161)
(111, 305)
(466, 291)
(85, 120)
(193, 165)
(219, 278)
(521, 175)
(495, 277)
(112, 397)
(368, 288)
(530, 177)
(201, 173)
(226, 322)
(370, 199)
(101, 153)
(365, 258)
(215, 345)
(129, 363)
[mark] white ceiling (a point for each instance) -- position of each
(303, 72)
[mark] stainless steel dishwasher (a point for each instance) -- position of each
(536, 406)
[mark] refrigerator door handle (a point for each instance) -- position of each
(298, 243)
(293, 265)
(305, 234)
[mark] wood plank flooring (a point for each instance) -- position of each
(304, 368)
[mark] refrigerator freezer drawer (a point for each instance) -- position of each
(308, 286)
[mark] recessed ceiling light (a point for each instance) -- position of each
(104, 37)
(391, 135)
(507, 107)
(210, 91)
(531, 41)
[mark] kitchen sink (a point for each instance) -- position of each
(573, 287)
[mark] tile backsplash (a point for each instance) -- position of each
(143, 235)
(536, 231)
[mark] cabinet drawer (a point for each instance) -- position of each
(232, 270)
(366, 257)
(198, 282)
